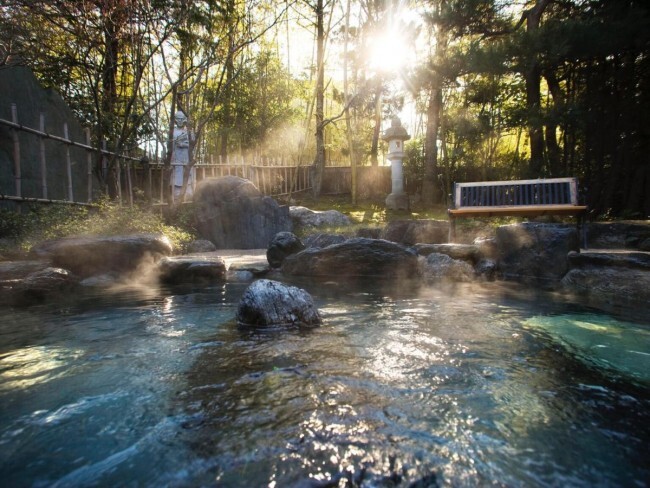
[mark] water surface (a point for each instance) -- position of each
(456, 387)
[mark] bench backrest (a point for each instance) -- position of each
(552, 191)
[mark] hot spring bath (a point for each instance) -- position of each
(464, 387)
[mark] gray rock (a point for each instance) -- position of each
(200, 245)
(645, 245)
(370, 232)
(88, 256)
(440, 267)
(324, 240)
(355, 257)
(191, 269)
(618, 235)
(486, 269)
(232, 213)
(534, 252)
(12, 270)
(283, 244)
(268, 303)
(487, 247)
(41, 285)
(621, 259)
(411, 232)
(466, 252)
(303, 217)
(611, 284)
(101, 281)
(239, 275)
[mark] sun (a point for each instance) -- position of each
(388, 52)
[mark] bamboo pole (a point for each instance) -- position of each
(129, 183)
(118, 170)
(89, 163)
(14, 136)
(43, 160)
(68, 163)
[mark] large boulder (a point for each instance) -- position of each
(303, 217)
(410, 232)
(233, 214)
(269, 303)
(535, 253)
(358, 256)
(191, 269)
(92, 255)
(283, 244)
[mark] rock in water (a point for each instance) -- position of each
(92, 255)
(355, 258)
(535, 253)
(283, 244)
(232, 213)
(191, 269)
(270, 303)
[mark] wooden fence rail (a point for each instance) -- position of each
(272, 177)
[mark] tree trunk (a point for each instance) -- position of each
(533, 78)
(552, 147)
(319, 161)
(348, 122)
(374, 147)
(430, 190)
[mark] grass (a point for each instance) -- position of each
(37, 223)
(19, 232)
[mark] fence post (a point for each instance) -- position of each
(14, 136)
(129, 182)
(43, 160)
(118, 171)
(68, 162)
(89, 163)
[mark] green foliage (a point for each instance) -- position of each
(40, 223)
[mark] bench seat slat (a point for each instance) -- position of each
(519, 210)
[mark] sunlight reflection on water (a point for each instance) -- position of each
(462, 387)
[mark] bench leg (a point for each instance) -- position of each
(452, 230)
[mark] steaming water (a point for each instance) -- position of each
(467, 387)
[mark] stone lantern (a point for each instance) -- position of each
(395, 135)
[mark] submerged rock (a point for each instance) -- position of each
(271, 303)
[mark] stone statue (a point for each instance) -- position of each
(181, 156)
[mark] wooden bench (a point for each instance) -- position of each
(517, 198)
